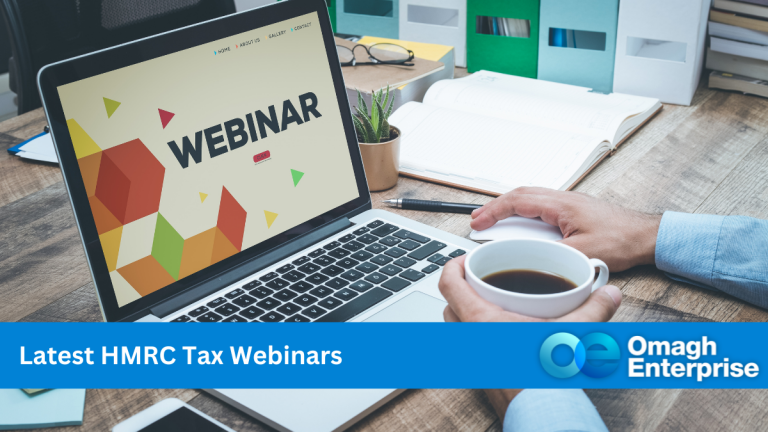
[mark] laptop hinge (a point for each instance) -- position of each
(248, 268)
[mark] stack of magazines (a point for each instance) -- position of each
(738, 53)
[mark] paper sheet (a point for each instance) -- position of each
(40, 148)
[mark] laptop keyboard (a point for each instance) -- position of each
(334, 282)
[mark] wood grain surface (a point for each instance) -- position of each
(711, 157)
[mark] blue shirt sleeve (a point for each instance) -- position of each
(536, 410)
(726, 253)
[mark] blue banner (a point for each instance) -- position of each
(383, 355)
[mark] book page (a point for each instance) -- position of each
(487, 153)
(542, 103)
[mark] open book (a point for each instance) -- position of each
(491, 133)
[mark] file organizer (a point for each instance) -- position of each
(509, 55)
(241, 5)
(332, 13)
(660, 48)
(330, 3)
(368, 17)
(591, 68)
(441, 22)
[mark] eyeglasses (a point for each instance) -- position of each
(383, 53)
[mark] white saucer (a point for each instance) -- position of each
(517, 227)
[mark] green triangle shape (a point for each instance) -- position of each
(111, 106)
(167, 246)
(297, 175)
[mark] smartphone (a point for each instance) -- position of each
(171, 415)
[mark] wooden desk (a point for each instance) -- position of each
(711, 157)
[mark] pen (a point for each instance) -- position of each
(433, 206)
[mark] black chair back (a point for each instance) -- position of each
(47, 31)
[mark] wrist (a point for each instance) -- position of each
(646, 233)
(500, 399)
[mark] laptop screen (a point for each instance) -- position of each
(196, 156)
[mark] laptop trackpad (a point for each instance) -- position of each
(415, 307)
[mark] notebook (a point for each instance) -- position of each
(739, 20)
(737, 33)
(741, 7)
(491, 132)
(32, 392)
(729, 81)
(741, 49)
(39, 147)
(60, 407)
(736, 64)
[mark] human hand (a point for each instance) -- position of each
(465, 305)
(620, 237)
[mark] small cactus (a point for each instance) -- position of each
(374, 128)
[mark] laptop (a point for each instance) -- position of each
(215, 176)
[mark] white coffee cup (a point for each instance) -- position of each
(541, 255)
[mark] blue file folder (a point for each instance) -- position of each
(577, 42)
(380, 18)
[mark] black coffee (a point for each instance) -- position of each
(529, 282)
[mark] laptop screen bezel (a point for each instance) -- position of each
(79, 68)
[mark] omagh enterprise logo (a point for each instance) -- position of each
(596, 355)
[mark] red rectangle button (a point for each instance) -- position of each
(261, 156)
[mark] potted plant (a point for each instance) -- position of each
(379, 141)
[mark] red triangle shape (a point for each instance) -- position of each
(165, 117)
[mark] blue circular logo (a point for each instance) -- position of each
(596, 355)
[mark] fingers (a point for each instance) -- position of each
(464, 302)
(530, 205)
(599, 307)
(519, 191)
(449, 315)
(465, 305)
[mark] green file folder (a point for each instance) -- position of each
(504, 54)
(332, 12)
